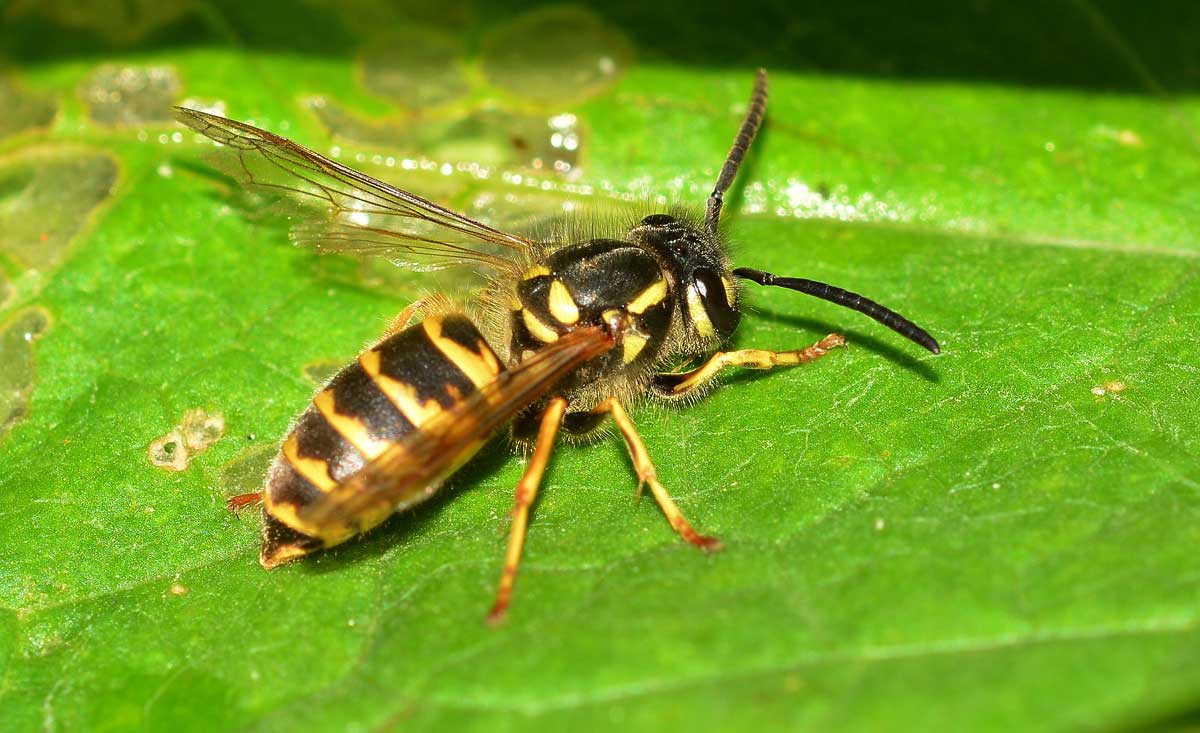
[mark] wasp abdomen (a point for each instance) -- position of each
(388, 392)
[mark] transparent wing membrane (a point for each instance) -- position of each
(338, 209)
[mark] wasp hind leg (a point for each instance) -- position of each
(237, 503)
(429, 305)
(648, 476)
(526, 492)
(672, 386)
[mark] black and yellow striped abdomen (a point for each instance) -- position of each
(387, 393)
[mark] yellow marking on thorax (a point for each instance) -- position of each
(349, 427)
(562, 305)
(699, 316)
(535, 271)
(537, 329)
(315, 470)
(480, 366)
(633, 345)
(400, 394)
(649, 297)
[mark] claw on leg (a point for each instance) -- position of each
(678, 385)
(648, 476)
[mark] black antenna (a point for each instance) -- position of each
(853, 301)
(741, 143)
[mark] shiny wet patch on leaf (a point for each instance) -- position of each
(46, 197)
(17, 368)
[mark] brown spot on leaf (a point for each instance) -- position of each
(200, 429)
(1112, 387)
(1129, 138)
(196, 432)
(169, 452)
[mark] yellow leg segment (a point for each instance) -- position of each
(648, 476)
(432, 304)
(527, 489)
(405, 317)
(677, 385)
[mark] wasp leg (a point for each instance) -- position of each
(405, 317)
(432, 304)
(527, 489)
(648, 476)
(241, 501)
(678, 385)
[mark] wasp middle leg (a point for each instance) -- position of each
(648, 475)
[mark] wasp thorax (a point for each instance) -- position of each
(610, 283)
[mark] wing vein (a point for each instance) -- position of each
(395, 224)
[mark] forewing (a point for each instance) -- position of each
(345, 211)
(412, 469)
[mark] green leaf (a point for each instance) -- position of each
(998, 538)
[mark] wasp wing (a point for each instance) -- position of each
(345, 211)
(412, 470)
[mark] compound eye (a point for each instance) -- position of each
(714, 299)
(659, 220)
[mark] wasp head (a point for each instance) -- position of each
(694, 259)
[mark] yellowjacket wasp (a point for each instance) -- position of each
(570, 331)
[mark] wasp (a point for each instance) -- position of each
(570, 331)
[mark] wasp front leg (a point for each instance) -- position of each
(678, 385)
